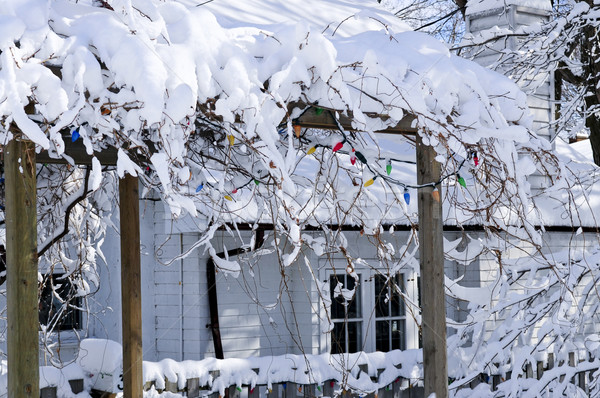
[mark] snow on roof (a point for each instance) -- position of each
(344, 17)
(575, 200)
(151, 77)
(477, 6)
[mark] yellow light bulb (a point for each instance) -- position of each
(369, 182)
(231, 139)
(311, 150)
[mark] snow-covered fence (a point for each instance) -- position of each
(570, 375)
(398, 388)
(392, 374)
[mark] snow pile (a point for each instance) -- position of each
(102, 361)
(51, 376)
(59, 378)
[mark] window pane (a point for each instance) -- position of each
(382, 336)
(355, 305)
(398, 327)
(381, 306)
(337, 301)
(338, 338)
(56, 307)
(396, 301)
(354, 337)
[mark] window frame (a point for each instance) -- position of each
(47, 297)
(368, 299)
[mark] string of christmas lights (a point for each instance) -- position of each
(354, 155)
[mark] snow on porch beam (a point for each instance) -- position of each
(77, 152)
(313, 117)
(322, 118)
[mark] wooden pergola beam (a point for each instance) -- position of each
(131, 294)
(321, 118)
(22, 269)
(131, 289)
(431, 260)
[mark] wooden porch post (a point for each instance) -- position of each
(431, 253)
(22, 269)
(131, 291)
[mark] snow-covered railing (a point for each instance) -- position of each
(360, 374)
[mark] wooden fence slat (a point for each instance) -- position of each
(289, 390)
(233, 392)
(76, 385)
(48, 392)
(495, 382)
(328, 388)
(539, 371)
(309, 390)
(528, 370)
(148, 385)
(170, 386)
(253, 392)
(193, 387)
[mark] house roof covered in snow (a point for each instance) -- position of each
(152, 78)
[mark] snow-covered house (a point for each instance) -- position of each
(349, 280)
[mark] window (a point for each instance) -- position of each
(346, 314)
(371, 313)
(58, 305)
(390, 324)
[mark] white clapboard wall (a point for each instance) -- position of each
(259, 313)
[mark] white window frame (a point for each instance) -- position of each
(367, 290)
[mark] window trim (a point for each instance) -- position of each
(368, 305)
(53, 279)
